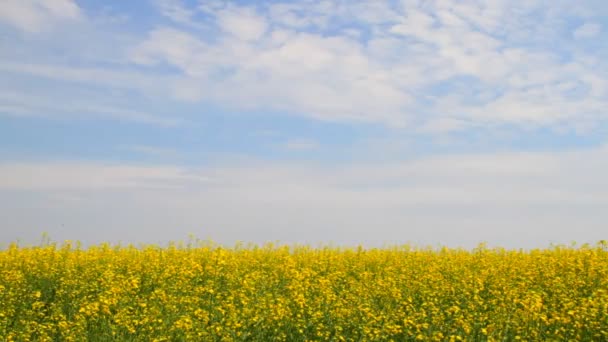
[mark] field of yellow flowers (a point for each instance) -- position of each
(205, 292)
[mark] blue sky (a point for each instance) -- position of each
(346, 122)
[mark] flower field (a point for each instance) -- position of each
(279, 293)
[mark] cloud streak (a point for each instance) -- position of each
(37, 15)
(509, 199)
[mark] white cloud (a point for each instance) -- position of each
(295, 16)
(108, 99)
(324, 77)
(94, 177)
(243, 23)
(338, 76)
(168, 44)
(413, 64)
(37, 15)
(121, 79)
(176, 11)
(587, 30)
(508, 199)
(443, 125)
(43, 105)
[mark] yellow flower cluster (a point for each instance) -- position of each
(281, 293)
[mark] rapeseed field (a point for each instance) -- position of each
(205, 292)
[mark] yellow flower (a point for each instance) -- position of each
(200, 293)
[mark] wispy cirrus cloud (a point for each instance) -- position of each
(35, 104)
(38, 15)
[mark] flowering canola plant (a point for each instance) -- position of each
(205, 292)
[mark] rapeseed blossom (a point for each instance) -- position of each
(281, 293)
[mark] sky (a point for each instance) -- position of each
(384, 122)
